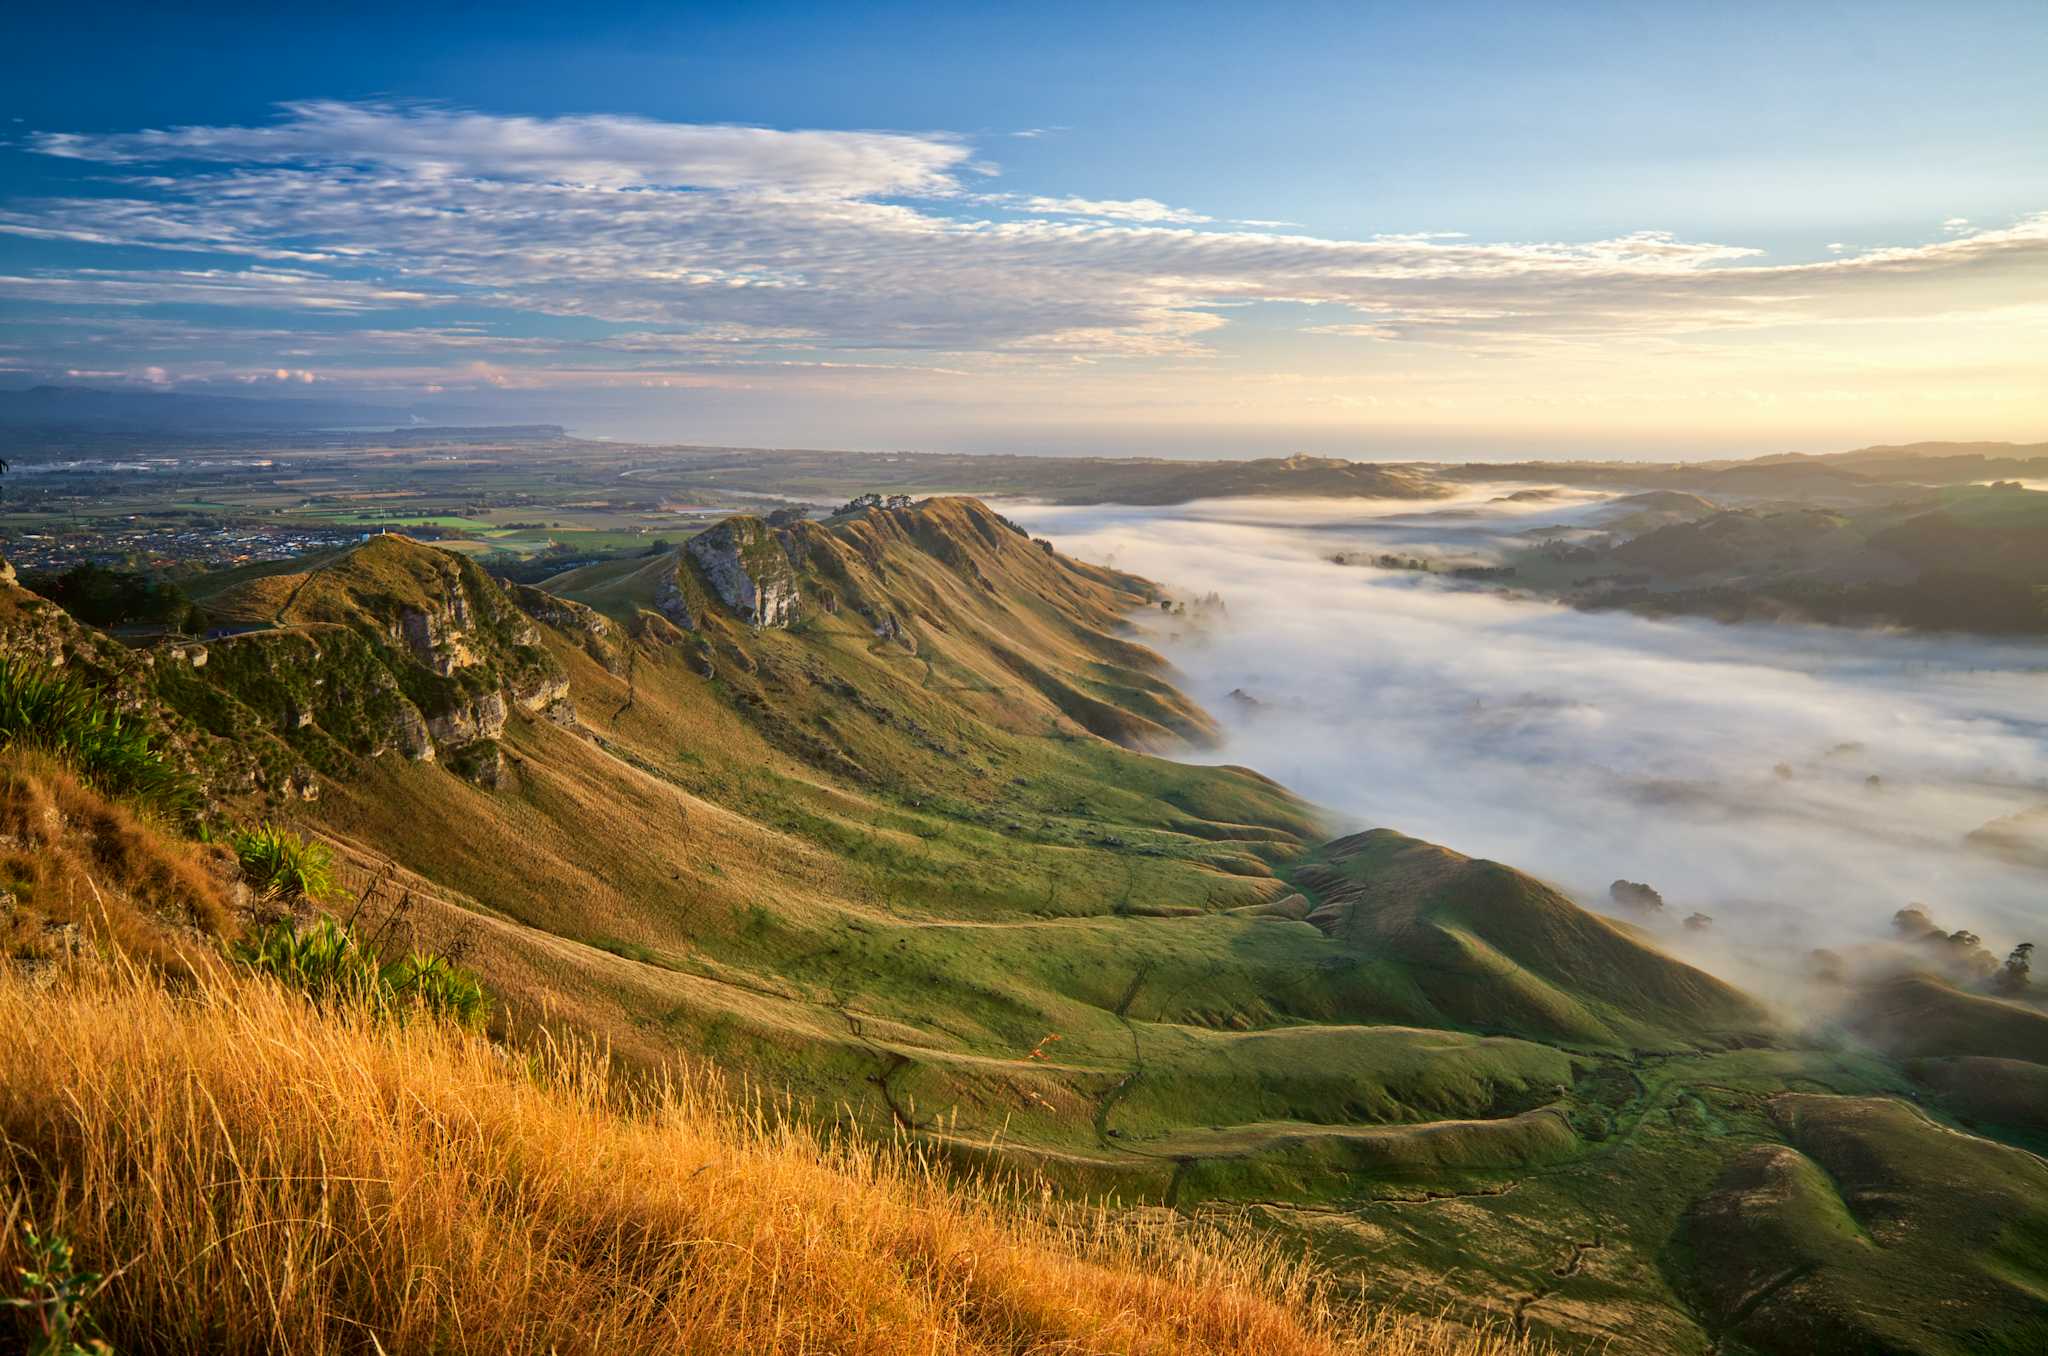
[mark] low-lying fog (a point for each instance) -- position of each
(1799, 784)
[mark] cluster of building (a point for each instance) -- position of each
(166, 547)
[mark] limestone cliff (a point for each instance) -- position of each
(751, 567)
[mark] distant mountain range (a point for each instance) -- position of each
(90, 410)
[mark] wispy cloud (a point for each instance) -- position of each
(1111, 209)
(610, 151)
(677, 238)
(209, 287)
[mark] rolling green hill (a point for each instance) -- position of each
(878, 813)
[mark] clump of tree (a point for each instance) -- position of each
(2016, 976)
(1635, 895)
(99, 596)
(1960, 953)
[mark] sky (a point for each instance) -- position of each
(1456, 230)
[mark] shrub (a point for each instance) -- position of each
(111, 749)
(437, 984)
(281, 863)
(332, 964)
(54, 1298)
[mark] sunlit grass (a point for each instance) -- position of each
(258, 1173)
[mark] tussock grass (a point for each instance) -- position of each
(330, 963)
(258, 1173)
(76, 865)
(282, 863)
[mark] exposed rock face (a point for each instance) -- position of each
(540, 691)
(600, 638)
(670, 602)
(749, 566)
(483, 718)
(440, 639)
(888, 627)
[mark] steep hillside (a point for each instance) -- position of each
(870, 813)
(1918, 1015)
(321, 1180)
(1873, 1229)
(949, 584)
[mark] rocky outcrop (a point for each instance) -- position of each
(599, 637)
(439, 639)
(397, 647)
(888, 627)
(482, 718)
(750, 567)
(411, 733)
(671, 602)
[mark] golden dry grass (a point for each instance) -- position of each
(265, 1177)
(75, 864)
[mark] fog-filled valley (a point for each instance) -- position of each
(918, 680)
(1796, 783)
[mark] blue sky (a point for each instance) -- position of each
(1377, 229)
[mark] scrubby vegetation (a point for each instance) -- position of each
(110, 748)
(54, 1298)
(281, 863)
(332, 964)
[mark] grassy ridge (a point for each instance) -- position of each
(873, 861)
(317, 1179)
(1499, 950)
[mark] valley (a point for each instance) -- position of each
(901, 814)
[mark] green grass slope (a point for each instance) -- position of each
(1917, 1015)
(892, 835)
(1877, 1230)
(1496, 950)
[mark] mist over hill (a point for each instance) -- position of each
(1796, 783)
(1021, 836)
